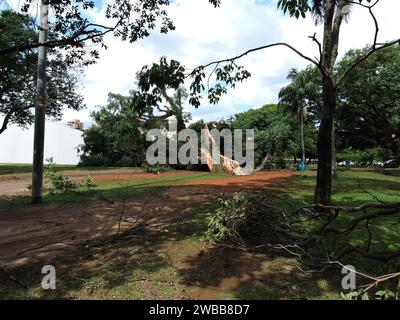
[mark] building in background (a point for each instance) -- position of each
(61, 143)
(76, 124)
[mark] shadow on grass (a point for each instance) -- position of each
(122, 268)
(349, 189)
(148, 264)
(26, 168)
(114, 190)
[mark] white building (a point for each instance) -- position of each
(61, 143)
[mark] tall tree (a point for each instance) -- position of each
(294, 98)
(18, 70)
(118, 136)
(368, 114)
(115, 138)
(276, 132)
(73, 30)
(331, 14)
(154, 84)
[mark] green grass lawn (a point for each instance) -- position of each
(111, 190)
(352, 186)
(179, 262)
(6, 169)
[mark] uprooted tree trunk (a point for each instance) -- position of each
(225, 164)
(263, 163)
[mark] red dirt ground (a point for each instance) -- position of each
(37, 232)
(50, 231)
(16, 184)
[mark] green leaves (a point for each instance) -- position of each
(216, 83)
(154, 80)
(228, 221)
(56, 181)
(362, 295)
(369, 100)
(295, 8)
(299, 8)
(276, 131)
(18, 74)
(165, 74)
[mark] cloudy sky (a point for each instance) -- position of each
(204, 33)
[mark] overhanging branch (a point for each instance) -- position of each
(74, 40)
(298, 52)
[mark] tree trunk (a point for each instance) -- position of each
(331, 36)
(324, 176)
(334, 163)
(40, 109)
(303, 148)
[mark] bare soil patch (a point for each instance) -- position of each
(16, 184)
(47, 232)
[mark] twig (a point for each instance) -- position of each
(121, 215)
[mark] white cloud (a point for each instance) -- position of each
(204, 33)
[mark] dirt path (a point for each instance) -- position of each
(16, 184)
(41, 232)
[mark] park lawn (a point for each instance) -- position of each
(65, 169)
(351, 187)
(178, 262)
(110, 190)
(27, 168)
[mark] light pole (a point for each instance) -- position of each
(40, 108)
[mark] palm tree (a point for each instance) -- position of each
(294, 98)
(330, 13)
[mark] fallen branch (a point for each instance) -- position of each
(375, 280)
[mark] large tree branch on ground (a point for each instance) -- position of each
(366, 206)
(375, 280)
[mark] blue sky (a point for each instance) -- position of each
(204, 33)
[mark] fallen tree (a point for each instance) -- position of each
(319, 237)
(225, 164)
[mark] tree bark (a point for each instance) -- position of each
(303, 148)
(40, 109)
(324, 176)
(334, 163)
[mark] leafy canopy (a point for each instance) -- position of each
(18, 75)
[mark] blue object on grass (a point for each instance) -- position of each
(301, 166)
